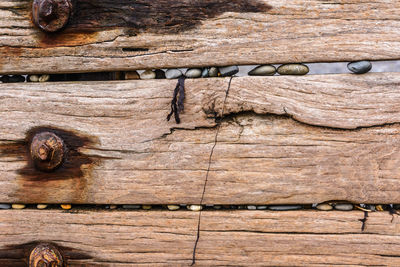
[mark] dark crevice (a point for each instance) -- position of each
(218, 121)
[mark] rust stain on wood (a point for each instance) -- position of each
(74, 174)
(18, 255)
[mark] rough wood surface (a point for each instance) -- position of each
(120, 35)
(282, 140)
(236, 238)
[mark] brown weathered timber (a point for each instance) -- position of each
(123, 238)
(123, 35)
(122, 149)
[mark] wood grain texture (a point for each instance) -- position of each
(236, 238)
(268, 150)
(125, 35)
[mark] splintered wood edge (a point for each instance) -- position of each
(219, 32)
(283, 140)
(119, 238)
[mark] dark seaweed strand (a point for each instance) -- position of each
(177, 100)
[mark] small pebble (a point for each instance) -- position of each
(5, 206)
(41, 206)
(148, 75)
(127, 206)
(213, 72)
(173, 207)
(33, 78)
(111, 207)
(359, 67)
(132, 75)
(44, 78)
(18, 206)
(195, 207)
(251, 207)
(265, 70)
(66, 206)
(204, 73)
(343, 206)
(285, 207)
(146, 207)
(324, 207)
(228, 71)
(293, 69)
(217, 207)
(160, 74)
(173, 74)
(193, 73)
(241, 207)
(261, 207)
(379, 208)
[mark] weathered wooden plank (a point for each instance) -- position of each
(122, 35)
(122, 149)
(122, 238)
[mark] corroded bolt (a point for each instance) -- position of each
(45, 255)
(51, 15)
(47, 151)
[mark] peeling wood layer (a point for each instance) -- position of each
(118, 238)
(124, 35)
(281, 140)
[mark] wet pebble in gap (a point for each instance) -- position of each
(132, 75)
(204, 73)
(146, 207)
(33, 78)
(5, 206)
(359, 67)
(293, 69)
(66, 206)
(193, 73)
(285, 207)
(343, 206)
(18, 206)
(324, 207)
(261, 207)
(127, 206)
(213, 72)
(111, 207)
(160, 74)
(173, 74)
(265, 70)
(44, 78)
(228, 71)
(217, 207)
(251, 207)
(148, 75)
(173, 207)
(195, 207)
(41, 206)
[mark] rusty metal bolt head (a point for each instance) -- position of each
(51, 15)
(45, 255)
(47, 151)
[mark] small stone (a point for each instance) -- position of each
(379, 208)
(285, 207)
(17, 79)
(251, 207)
(213, 72)
(242, 207)
(127, 206)
(111, 207)
(33, 78)
(173, 207)
(41, 206)
(193, 73)
(5, 206)
(18, 206)
(261, 207)
(228, 71)
(359, 67)
(265, 70)
(132, 75)
(293, 69)
(66, 206)
(146, 207)
(173, 74)
(204, 73)
(217, 207)
(160, 74)
(195, 207)
(148, 75)
(44, 78)
(324, 207)
(343, 206)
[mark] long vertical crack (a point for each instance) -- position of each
(218, 121)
